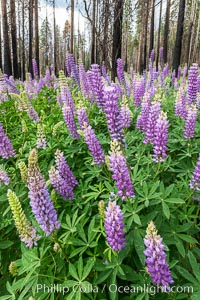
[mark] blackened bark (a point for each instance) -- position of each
(117, 35)
(6, 44)
(166, 32)
(14, 38)
(145, 34)
(179, 36)
(30, 36)
(23, 42)
(37, 55)
(158, 44)
(0, 46)
(151, 47)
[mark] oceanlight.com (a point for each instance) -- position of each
(113, 288)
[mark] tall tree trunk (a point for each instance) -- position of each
(117, 35)
(179, 35)
(166, 32)
(145, 32)
(0, 45)
(30, 36)
(105, 32)
(151, 46)
(190, 31)
(23, 42)
(14, 38)
(6, 44)
(159, 29)
(55, 37)
(72, 28)
(93, 32)
(194, 58)
(37, 53)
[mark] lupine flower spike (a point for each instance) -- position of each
(41, 139)
(4, 179)
(6, 148)
(161, 138)
(41, 204)
(156, 258)
(26, 232)
(118, 166)
(114, 226)
(195, 181)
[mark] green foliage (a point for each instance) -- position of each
(76, 262)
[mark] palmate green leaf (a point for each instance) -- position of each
(73, 272)
(185, 274)
(103, 276)
(166, 210)
(174, 200)
(87, 269)
(80, 267)
(77, 251)
(5, 244)
(187, 238)
(195, 296)
(195, 266)
(139, 245)
(180, 247)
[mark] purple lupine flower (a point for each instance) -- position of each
(41, 139)
(96, 84)
(125, 115)
(72, 68)
(156, 258)
(173, 77)
(35, 68)
(128, 87)
(4, 179)
(190, 123)
(66, 98)
(192, 83)
(64, 169)
(180, 106)
(84, 84)
(154, 113)
(69, 121)
(33, 115)
(82, 117)
(40, 85)
(161, 138)
(179, 73)
(118, 166)
(6, 148)
(60, 184)
(112, 112)
(93, 144)
(198, 84)
(120, 71)
(138, 90)
(166, 71)
(144, 115)
(42, 207)
(198, 100)
(195, 181)
(105, 75)
(152, 56)
(114, 226)
(12, 89)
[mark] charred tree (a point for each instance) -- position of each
(179, 36)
